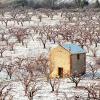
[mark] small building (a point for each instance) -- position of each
(66, 60)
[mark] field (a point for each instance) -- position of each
(26, 37)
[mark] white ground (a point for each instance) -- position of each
(34, 49)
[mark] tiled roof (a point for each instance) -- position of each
(73, 48)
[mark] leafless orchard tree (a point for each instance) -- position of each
(93, 68)
(18, 21)
(5, 91)
(19, 62)
(30, 64)
(51, 15)
(1, 20)
(65, 96)
(11, 45)
(91, 91)
(2, 36)
(32, 31)
(28, 76)
(29, 82)
(43, 39)
(42, 66)
(76, 97)
(54, 83)
(3, 48)
(13, 14)
(96, 38)
(10, 68)
(75, 78)
(20, 34)
(94, 50)
(6, 21)
(40, 18)
(2, 12)
(28, 17)
(1, 66)
(52, 35)
(25, 42)
(21, 20)
(11, 41)
(7, 38)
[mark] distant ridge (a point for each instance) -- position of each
(52, 4)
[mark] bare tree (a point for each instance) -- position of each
(2, 12)
(27, 76)
(40, 18)
(11, 45)
(65, 96)
(10, 68)
(43, 39)
(93, 68)
(91, 90)
(54, 83)
(20, 34)
(6, 93)
(94, 50)
(30, 64)
(6, 22)
(29, 82)
(75, 78)
(42, 66)
(2, 50)
(1, 66)
(2, 36)
(19, 62)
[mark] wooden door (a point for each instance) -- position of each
(60, 72)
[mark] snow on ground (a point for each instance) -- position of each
(34, 49)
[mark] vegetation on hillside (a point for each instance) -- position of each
(53, 4)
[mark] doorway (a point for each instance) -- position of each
(60, 72)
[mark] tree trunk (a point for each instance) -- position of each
(44, 45)
(99, 93)
(26, 88)
(30, 98)
(52, 88)
(22, 42)
(93, 74)
(12, 48)
(76, 84)
(1, 54)
(96, 44)
(10, 76)
(22, 23)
